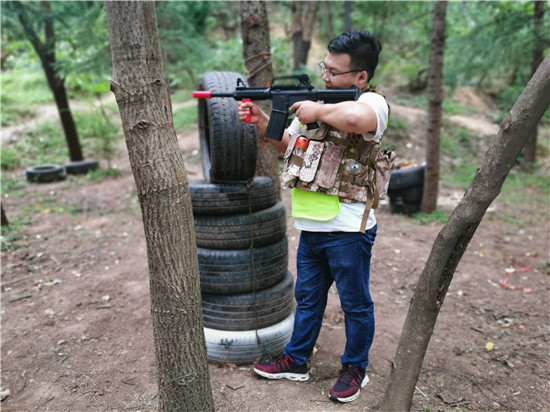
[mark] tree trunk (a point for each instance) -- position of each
(143, 96)
(530, 151)
(453, 239)
(304, 16)
(5, 221)
(329, 26)
(46, 53)
(259, 73)
(348, 8)
(435, 100)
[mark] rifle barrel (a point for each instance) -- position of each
(207, 94)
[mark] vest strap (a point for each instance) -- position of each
(356, 180)
(366, 213)
(357, 157)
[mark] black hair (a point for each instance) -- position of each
(363, 48)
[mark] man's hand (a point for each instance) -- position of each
(257, 116)
(306, 111)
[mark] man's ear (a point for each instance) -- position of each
(363, 79)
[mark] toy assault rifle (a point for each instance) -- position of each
(283, 97)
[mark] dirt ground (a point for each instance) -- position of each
(77, 334)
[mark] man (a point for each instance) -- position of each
(331, 196)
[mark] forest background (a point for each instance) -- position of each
(488, 52)
(489, 47)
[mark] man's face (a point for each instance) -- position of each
(339, 74)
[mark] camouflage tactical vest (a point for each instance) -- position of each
(339, 164)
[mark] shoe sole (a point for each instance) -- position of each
(352, 397)
(290, 376)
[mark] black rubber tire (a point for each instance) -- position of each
(252, 310)
(404, 208)
(409, 195)
(225, 272)
(81, 167)
(45, 173)
(228, 146)
(406, 177)
(246, 347)
(242, 231)
(232, 198)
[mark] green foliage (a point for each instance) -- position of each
(182, 29)
(491, 44)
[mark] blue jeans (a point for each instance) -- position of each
(324, 258)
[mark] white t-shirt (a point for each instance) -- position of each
(350, 215)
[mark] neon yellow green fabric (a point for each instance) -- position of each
(314, 205)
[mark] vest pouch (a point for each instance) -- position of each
(385, 163)
(328, 170)
(311, 161)
(292, 159)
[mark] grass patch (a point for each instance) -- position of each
(459, 175)
(10, 159)
(520, 185)
(100, 174)
(428, 219)
(15, 186)
(44, 144)
(398, 131)
(98, 134)
(13, 232)
(515, 221)
(21, 90)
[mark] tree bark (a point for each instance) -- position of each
(46, 53)
(5, 221)
(259, 73)
(435, 100)
(143, 96)
(304, 16)
(453, 239)
(530, 151)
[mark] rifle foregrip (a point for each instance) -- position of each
(277, 124)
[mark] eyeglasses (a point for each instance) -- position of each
(331, 74)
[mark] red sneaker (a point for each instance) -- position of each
(282, 367)
(349, 384)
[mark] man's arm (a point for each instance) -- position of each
(353, 117)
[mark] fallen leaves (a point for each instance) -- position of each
(514, 269)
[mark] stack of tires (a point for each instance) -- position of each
(240, 226)
(405, 190)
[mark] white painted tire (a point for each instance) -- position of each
(249, 346)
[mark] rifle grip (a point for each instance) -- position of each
(249, 116)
